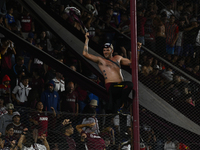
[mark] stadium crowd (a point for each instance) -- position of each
(40, 108)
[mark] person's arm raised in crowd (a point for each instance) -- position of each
(5, 46)
(85, 50)
(66, 121)
(22, 138)
(80, 126)
(54, 112)
(29, 65)
(45, 142)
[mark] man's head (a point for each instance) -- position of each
(5, 42)
(25, 80)
(73, 67)
(16, 117)
(108, 50)
(194, 22)
(172, 19)
(39, 106)
(9, 130)
(68, 130)
(10, 108)
(51, 86)
(20, 61)
(70, 87)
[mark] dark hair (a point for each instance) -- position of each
(64, 128)
(9, 127)
(25, 77)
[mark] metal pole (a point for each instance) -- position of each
(135, 111)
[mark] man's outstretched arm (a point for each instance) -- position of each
(85, 50)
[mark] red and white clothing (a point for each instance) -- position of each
(94, 129)
(69, 102)
(71, 143)
(94, 142)
(21, 92)
(171, 32)
(26, 23)
(18, 129)
(42, 119)
(5, 90)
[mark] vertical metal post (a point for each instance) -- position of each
(135, 110)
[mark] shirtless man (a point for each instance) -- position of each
(110, 67)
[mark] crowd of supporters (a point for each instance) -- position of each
(39, 106)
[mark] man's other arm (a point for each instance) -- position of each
(125, 61)
(85, 50)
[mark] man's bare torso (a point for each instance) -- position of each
(110, 71)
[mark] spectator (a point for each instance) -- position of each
(37, 82)
(169, 144)
(169, 10)
(21, 91)
(19, 66)
(6, 118)
(9, 17)
(44, 40)
(150, 32)
(179, 43)
(50, 98)
(160, 36)
(92, 140)
(6, 50)
(3, 110)
(190, 36)
(172, 31)
(26, 141)
(27, 24)
(189, 99)
(147, 68)
(10, 138)
(37, 64)
(82, 97)
(67, 131)
(59, 82)
(69, 100)
(140, 26)
(5, 89)
(90, 118)
(168, 74)
(30, 38)
(16, 125)
(40, 120)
